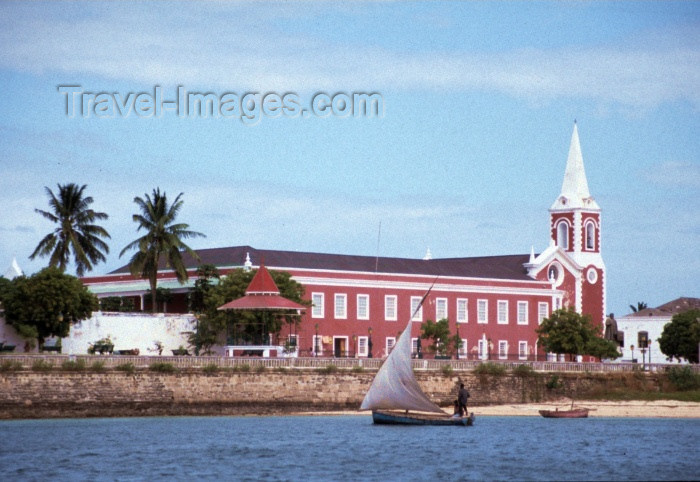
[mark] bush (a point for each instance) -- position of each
(260, 369)
(524, 371)
(210, 369)
(42, 366)
(78, 365)
(683, 378)
(241, 368)
(98, 366)
(10, 366)
(447, 370)
(162, 367)
(490, 368)
(328, 369)
(553, 383)
(358, 369)
(126, 367)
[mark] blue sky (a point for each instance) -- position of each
(479, 100)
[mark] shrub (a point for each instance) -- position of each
(42, 366)
(281, 369)
(210, 368)
(78, 365)
(242, 368)
(328, 369)
(447, 370)
(490, 368)
(98, 366)
(524, 371)
(10, 366)
(126, 367)
(260, 369)
(358, 369)
(553, 383)
(683, 378)
(162, 367)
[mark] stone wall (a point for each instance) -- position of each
(29, 394)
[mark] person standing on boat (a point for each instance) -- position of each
(462, 399)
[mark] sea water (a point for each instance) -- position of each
(348, 448)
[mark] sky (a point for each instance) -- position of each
(464, 156)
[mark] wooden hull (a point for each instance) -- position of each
(402, 418)
(575, 413)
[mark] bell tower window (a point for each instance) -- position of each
(563, 235)
(590, 235)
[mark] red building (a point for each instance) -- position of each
(360, 303)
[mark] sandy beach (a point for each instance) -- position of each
(632, 408)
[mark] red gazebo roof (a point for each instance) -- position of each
(262, 294)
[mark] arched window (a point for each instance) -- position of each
(590, 235)
(563, 235)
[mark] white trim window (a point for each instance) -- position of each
(317, 305)
(389, 345)
(414, 346)
(363, 307)
(390, 308)
(462, 310)
(522, 313)
(362, 346)
(464, 349)
(502, 307)
(341, 306)
(563, 234)
(590, 235)
(317, 345)
(542, 311)
(502, 349)
(483, 349)
(522, 350)
(415, 301)
(482, 311)
(440, 308)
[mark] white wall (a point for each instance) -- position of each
(654, 325)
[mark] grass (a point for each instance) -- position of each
(162, 367)
(328, 369)
(524, 371)
(210, 368)
(78, 365)
(126, 367)
(10, 366)
(447, 370)
(489, 368)
(42, 366)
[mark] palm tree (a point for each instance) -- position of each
(640, 306)
(162, 238)
(75, 232)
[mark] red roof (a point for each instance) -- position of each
(262, 294)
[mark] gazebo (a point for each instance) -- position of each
(263, 295)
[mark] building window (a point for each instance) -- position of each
(390, 342)
(522, 312)
(502, 349)
(522, 350)
(440, 308)
(341, 306)
(482, 311)
(462, 313)
(463, 349)
(592, 275)
(483, 349)
(502, 312)
(292, 343)
(362, 346)
(363, 307)
(563, 235)
(542, 311)
(415, 302)
(390, 307)
(317, 345)
(590, 235)
(317, 307)
(414, 346)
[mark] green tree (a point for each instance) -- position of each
(46, 304)
(681, 336)
(245, 326)
(442, 342)
(206, 274)
(163, 240)
(640, 306)
(567, 331)
(76, 233)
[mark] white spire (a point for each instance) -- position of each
(248, 265)
(532, 255)
(574, 189)
(428, 255)
(14, 270)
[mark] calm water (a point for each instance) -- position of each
(348, 448)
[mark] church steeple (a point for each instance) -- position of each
(574, 189)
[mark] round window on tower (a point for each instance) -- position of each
(592, 275)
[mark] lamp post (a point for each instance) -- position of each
(354, 345)
(369, 342)
(644, 352)
(316, 342)
(632, 350)
(649, 347)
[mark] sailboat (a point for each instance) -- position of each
(395, 396)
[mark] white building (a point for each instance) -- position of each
(649, 324)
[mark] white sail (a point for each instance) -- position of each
(394, 387)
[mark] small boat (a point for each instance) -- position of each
(578, 412)
(395, 397)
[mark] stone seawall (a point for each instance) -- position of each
(28, 394)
